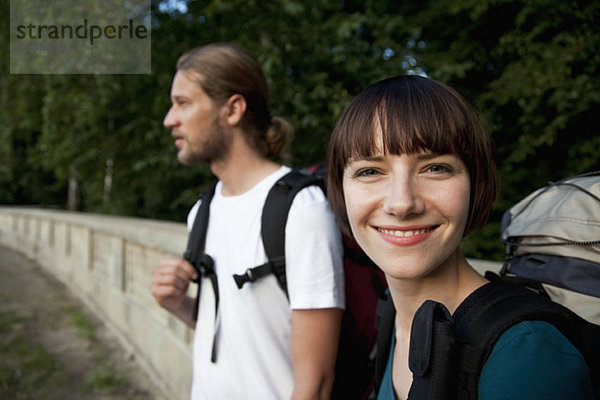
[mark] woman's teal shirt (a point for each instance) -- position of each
(532, 361)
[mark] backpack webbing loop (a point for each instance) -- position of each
(206, 267)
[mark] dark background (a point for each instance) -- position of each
(531, 68)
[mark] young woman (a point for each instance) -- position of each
(410, 173)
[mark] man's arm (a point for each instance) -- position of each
(314, 343)
(170, 281)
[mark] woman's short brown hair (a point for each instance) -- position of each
(415, 114)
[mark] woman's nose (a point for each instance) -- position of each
(403, 197)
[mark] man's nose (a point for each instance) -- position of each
(170, 119)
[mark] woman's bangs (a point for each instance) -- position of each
(408, 129)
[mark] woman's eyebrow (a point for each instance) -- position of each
(421, 156)
(427, 155)
(366, 158)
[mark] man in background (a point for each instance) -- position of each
(256, 344)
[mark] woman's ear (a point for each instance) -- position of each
(235, 108)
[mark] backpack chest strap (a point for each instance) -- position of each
(275, 266)
(273, 222)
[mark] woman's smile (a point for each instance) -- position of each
(405, 236)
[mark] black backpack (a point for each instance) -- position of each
(365, 283)
(552, 238)
(447, 352)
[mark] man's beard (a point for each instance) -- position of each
(214, 147)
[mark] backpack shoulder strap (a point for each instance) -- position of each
(202, 262)
(274, 218)
(384, 320)
(194, 253)
(494, 308)
(478, 323)
(197, 236)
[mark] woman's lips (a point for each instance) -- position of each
(405, 236)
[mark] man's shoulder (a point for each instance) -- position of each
(310, 195)
(310, 199)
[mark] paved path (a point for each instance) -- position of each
(76, 356)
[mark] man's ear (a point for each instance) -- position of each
(236, 108)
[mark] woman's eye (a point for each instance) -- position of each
(439, 169)
(366, 172)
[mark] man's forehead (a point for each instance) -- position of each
(185, 83)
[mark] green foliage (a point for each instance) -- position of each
(530, 66)
(316, 54)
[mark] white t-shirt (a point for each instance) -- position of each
(253, 338)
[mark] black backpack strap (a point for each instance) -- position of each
(202, 262)
(448, 354)
(385, 322)
(432, 353)
(497, 306)
(274, 218)
(197, 240)
(197, 237)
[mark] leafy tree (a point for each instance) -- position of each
(316, 54)
(22, 181)
(530, 67)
